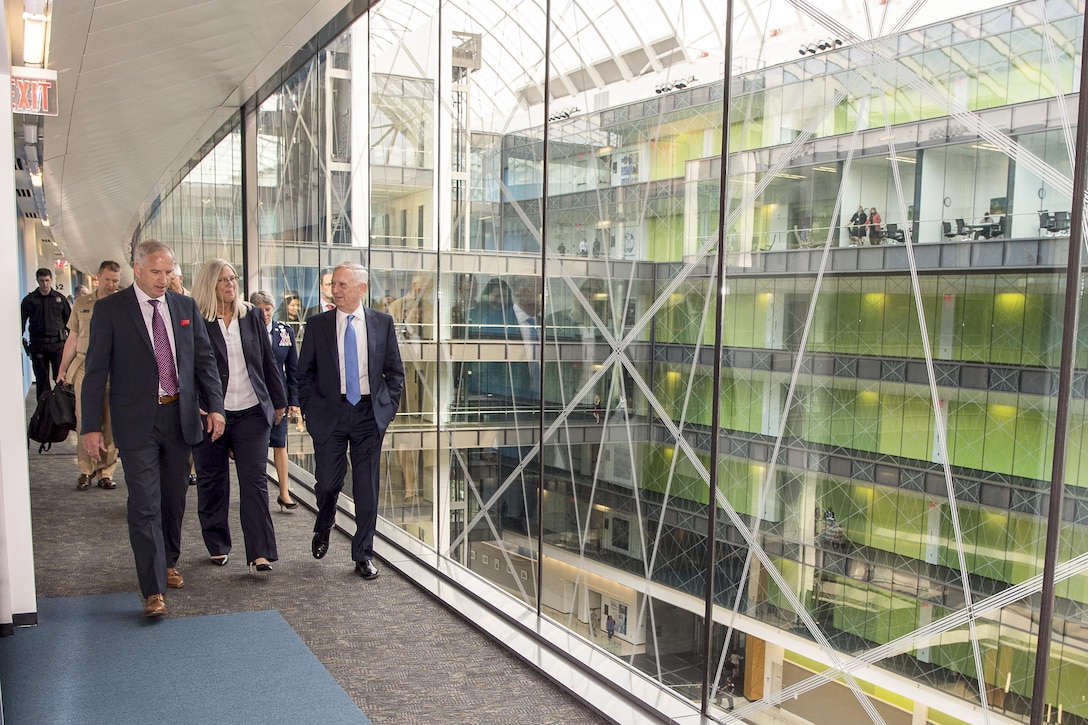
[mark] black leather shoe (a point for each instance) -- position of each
(320, 544)
(366, 569)
(192, 479)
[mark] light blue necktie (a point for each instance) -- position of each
(351, 364)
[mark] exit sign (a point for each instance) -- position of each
(34, 91)
(60, 263)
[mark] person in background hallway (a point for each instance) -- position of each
(350, 380)
(727, 690)
(875, 232)
(176, 280)
(283, 348)
(149, 344)
(255, 401)
(47, 311)
(291, 310)
(610, 626)
(857, 228)
(80, 291)
(72, 371)
(325, 303)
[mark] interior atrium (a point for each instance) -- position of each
(678, 417)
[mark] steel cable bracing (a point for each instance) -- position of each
(881, 47)
(618, 339)
(1057, 181)
(769, 480)
(926, 634)
(942, 442)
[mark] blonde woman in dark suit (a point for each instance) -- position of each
(255, 400)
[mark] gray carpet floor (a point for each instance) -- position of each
(400, 655)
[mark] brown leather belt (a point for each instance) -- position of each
(164, 399)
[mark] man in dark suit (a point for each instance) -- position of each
(153, 348)
(350, 409)
(325, 301)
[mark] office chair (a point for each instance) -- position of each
(1061, 222)
(1045, 222)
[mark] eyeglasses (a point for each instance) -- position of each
(227, 279)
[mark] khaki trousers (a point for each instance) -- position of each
(104, 466)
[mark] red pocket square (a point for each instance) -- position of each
(184, 323)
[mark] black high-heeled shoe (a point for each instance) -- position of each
(219, 560)
(259, 567)
(285, 505)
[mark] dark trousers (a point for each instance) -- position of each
(157, 477)
(357, 429)
(42, 359)
(246, 434)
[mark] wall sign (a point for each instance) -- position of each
(34, 91)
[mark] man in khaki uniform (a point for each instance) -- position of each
(71, 371)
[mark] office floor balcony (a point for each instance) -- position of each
(944, 256)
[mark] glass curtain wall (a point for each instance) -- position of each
(543, 222)
(201, 218)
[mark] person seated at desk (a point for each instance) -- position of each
(985, 228)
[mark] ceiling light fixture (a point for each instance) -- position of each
(674, 85)
(564, 114)
(35, 31)
(817, 46)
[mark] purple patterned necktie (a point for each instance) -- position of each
(164, 357)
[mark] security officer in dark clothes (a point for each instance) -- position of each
(47, 311)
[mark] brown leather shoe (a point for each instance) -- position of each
(173, 579)
(84, 481)
(155, 606)
(107, 483)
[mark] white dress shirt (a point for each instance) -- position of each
(359, 326)
(239, 394)
(147, 310)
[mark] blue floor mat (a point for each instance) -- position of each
(96, 659)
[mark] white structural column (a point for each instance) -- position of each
(18, 593)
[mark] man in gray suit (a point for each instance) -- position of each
(352, 409)
(152, 346)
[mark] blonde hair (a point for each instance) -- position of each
(204, 291)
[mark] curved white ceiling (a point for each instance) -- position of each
(141, 84)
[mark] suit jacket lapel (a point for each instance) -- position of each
(219, 345)
(133, 305)
(177, 317)
(333, 349)
(371, 340)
